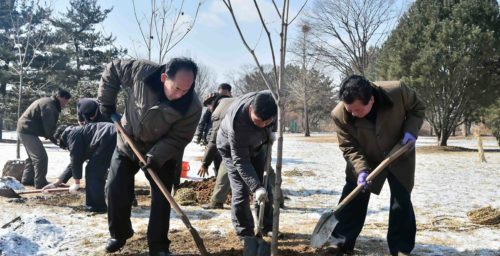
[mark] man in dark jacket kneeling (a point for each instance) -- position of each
(95, 142)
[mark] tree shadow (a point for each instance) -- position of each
(309, 192)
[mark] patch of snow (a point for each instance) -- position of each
(10, 182)
(31, 235)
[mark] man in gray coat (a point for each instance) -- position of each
(39, 120)
(242, 141)
(161, 114)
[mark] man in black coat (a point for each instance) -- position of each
(95, 142)
(242, 141)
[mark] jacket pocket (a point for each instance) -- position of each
(153, 125)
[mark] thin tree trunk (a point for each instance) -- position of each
(1, 126)
(277, 183)
(307, 132)
(18, 145)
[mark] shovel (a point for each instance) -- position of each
(164, 190)
(327, 222)
(257, 245)
(10, 193)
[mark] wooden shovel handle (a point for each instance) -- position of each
(374, 174)
(164, 190)
(266, 183)
(40, 191)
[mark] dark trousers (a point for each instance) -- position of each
(95, 175)
(402, 224)
(35, 170)
(241, 215)
(120, 191)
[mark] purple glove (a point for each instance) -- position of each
(408, 137)
(362, 180)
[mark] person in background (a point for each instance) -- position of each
(222, 187)
(87, 111)
(205, 124)
(39, 120)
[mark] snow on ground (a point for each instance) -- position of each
(447, 186)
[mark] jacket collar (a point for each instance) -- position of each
(382, 101)
(57, 103)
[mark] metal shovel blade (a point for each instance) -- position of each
(250, 246)
(9, 193)
(324, 228)
(256, 246)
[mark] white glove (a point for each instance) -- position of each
(73, 189)
(49, 186)
(261, 195)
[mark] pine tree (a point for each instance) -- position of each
(88, 49)
(442, 49)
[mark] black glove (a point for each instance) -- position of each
(150, 163)
(108, 110)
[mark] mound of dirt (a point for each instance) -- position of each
(217, 244)
(297, 173)
(435, 149)
(186, 196)
(203, 189)
(485, 216)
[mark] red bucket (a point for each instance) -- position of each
(185, 169)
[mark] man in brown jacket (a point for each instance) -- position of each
(161, 114)
(39, 120)
(372, 120)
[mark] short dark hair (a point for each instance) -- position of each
(61, 93)
(264, 105)
(61, 134)
(355, 87)
(225, 86)
(177, 64)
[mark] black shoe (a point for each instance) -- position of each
(28, 183)
(213, 206)
(96, 209)
(114, 245)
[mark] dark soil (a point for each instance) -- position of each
(216, 244)
(203, 189)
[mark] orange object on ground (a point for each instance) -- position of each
(185, 169)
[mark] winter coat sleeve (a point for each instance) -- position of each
(66, 174)
(49, 115)
(415, 110)
(240, 153)
(205, 120)
(117, 73)
(77, 154)
(210, 153)
(173, 143)
(348, 144)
